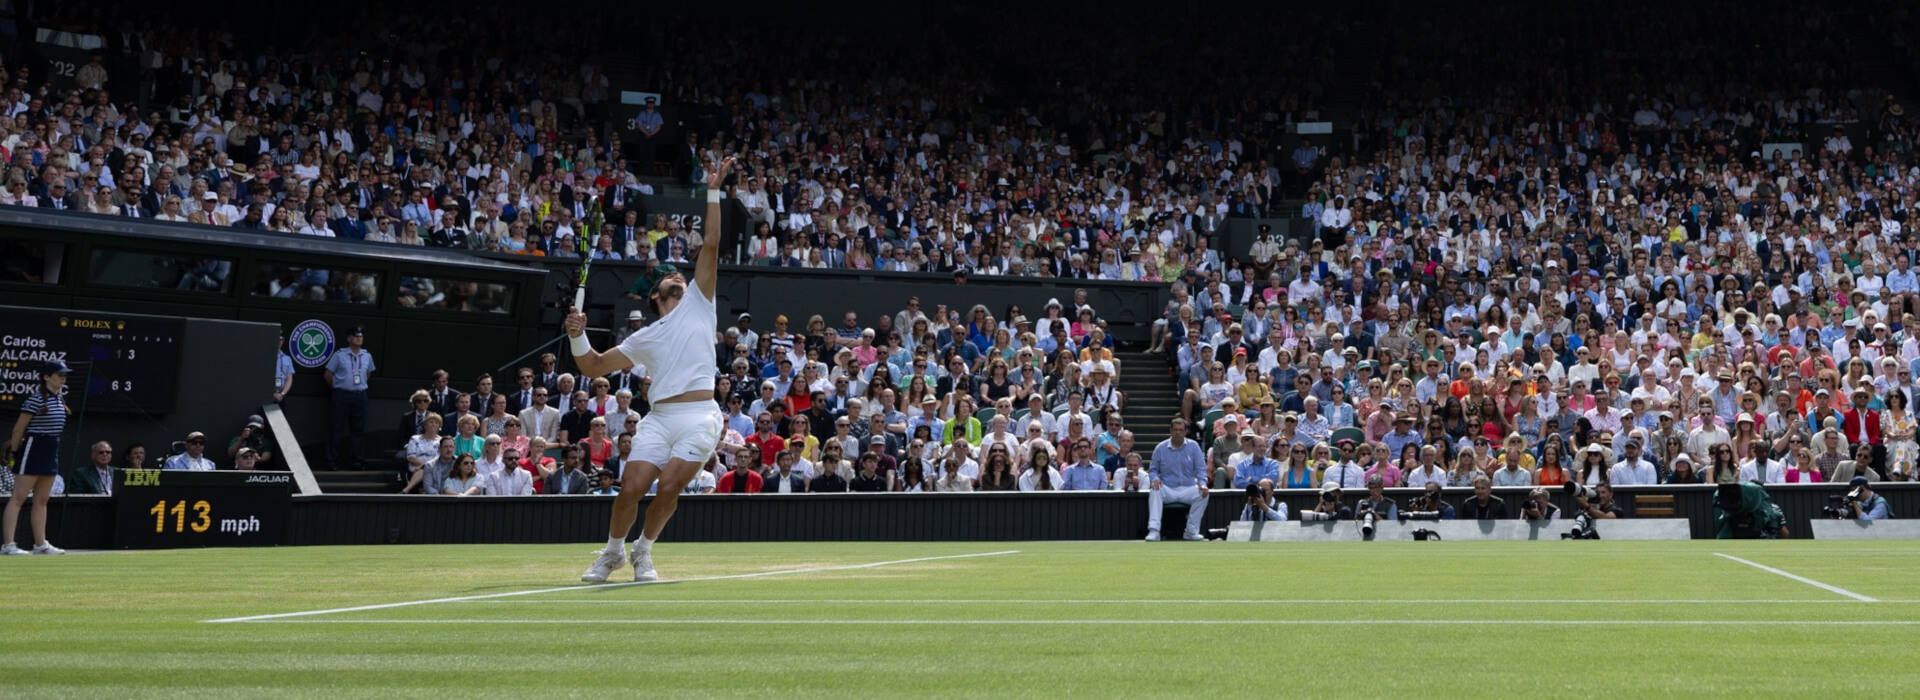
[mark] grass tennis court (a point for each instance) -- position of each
(969, 619)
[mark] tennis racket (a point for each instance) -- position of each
(589, 229)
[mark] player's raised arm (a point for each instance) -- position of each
(706, 270)
(592, 363)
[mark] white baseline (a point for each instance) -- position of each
(537, 591)
(1190, 601)
(1547, 623)
(1802, 579)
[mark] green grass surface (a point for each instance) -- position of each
(1054, 619)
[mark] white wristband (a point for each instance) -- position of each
(580, 345)
(713, 196)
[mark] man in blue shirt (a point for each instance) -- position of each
(1402, 435)
(1179, 474)
(348, 372)
(1869, 505)
(1083, 474)
(282, 371)
(1258, 467)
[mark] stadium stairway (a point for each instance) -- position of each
(370, 481)
(1152, 398)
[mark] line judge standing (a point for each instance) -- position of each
(348, 372)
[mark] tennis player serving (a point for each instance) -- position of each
(680, 434)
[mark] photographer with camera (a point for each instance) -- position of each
(1866, 504)
(1329, 507)
(256, 437)
(1597, 502)
(1483, 505)
(1261, 505)
(1591, 503)
(1429, 506)
(1377, 501)
(1538, 507)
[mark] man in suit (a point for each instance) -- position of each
(1236, 342)
(520, 398)
(569, 479)
(410, 421)
(462, 407)
(135, 206)
(783, 478)
(619, 199)
(57, 197)
(350, 226)
(834, 255)
(690, 154)
(539, 419)
(626, 379)
(441, 396)
(97, 476)
(548, 376)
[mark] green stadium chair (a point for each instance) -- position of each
(984, 414)
(1354, 434)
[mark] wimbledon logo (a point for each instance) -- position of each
(312, 343)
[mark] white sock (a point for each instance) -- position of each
(643, 545)
(617, 545)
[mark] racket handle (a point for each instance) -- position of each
(580, 299)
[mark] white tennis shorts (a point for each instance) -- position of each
(688, 430)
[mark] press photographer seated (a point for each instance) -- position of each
(1538, 507)
(1329, 507)
(1261, 505)
(1866, 504)
(1429, 506)
(1376, 500)
(1600, 506)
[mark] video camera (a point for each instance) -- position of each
(1840, 506)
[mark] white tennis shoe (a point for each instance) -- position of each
(48, 548)
(605, 564)
(643, 566)
(11, 550)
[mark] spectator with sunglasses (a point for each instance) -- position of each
(194, 457)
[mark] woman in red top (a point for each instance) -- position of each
(598, 446)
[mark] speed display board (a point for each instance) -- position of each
(128, 363)
(163, 509)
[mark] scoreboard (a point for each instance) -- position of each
(128, 363)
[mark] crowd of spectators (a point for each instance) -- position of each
(1557, 258)
(1553, 255)
(924, 400)
(935, 165)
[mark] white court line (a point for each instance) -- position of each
(602, 586)
(1189, 601)
(1802, 579)
(1544, 623)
